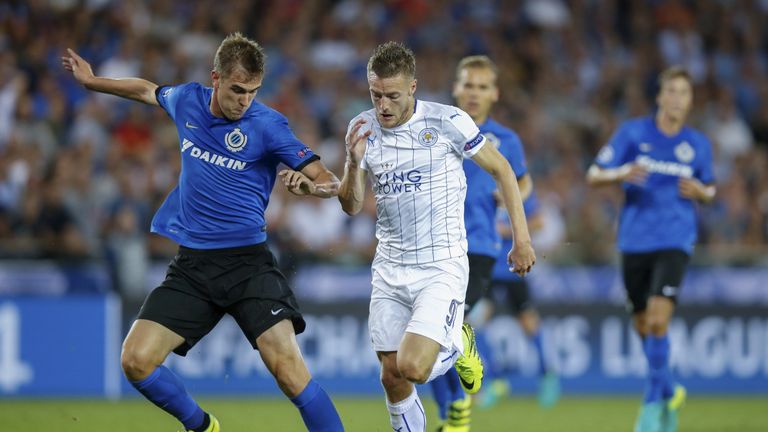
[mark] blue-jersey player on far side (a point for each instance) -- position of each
(475, 91)
(230, 150)
(664, 167)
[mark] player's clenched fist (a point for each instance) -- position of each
(521, 258)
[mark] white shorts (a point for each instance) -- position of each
(426, 299)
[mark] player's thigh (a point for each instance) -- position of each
(279, 349)
(480, 271)
(417, 352)
(636, 269)
(391, 306)
(438, 291)
(668, 272)
(264, 301)
(149, 342)
(518, 296)
(181, 309)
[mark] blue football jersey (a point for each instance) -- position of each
(655, 216)
(228, 169)
(480, 205)
(501, 268)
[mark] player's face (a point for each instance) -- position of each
(392, 97)
(234, 93)
(675, 99)
(475, 92)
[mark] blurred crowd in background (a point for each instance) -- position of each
(82, 173)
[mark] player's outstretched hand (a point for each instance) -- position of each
(521, 258)
(296, 182)
(80, 68)
(691, 188)
(355, 141)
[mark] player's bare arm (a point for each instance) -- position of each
(522, 256)
(524, 183)
(130, 88)
(314, 179)
(693, 189)
(630, 173)
(352, 188)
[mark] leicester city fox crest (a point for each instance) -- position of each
(235, 140)
(428, 137)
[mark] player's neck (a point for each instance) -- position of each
(668, 125)
(214, 106)
(481, 119)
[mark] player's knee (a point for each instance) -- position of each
(413, 370)
(391, 379)
(137, 364)
(657, 326)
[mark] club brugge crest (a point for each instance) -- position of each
(428, 137)
(235, 140)
(684, 152)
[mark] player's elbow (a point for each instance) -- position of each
(350, 207)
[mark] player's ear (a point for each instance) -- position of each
(215, 78)
(413, 87)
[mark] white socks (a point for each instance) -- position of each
(408, 414)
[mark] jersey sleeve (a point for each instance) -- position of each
(617, 151)
(168, 97)
(286, 146)
(704, 171)
(512, 149)
(463, 134)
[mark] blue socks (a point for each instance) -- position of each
(536, 339)
(659, 375)
(317, 410)
(164, 389)
(446, 389)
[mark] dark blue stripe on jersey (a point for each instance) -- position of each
(301, 166)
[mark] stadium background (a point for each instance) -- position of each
(81, 174)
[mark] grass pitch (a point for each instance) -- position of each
(572, 414)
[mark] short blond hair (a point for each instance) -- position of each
(237, 51)
(674, 72)
(479, 62)
(392, 58)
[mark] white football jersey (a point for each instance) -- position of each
(417, 177)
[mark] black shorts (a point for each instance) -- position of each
(202, 285)
(480, 271)
(657, 273)
(514, 293)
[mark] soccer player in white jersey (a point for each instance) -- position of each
(413, 152)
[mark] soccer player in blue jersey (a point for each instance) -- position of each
(230, 150)
(518, 298)
(664, 167)
(475, 92)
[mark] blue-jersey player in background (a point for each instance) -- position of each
(230, 149)
(475, 91)
(514, 290)
(664, 167)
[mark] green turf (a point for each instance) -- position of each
(368, 415)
